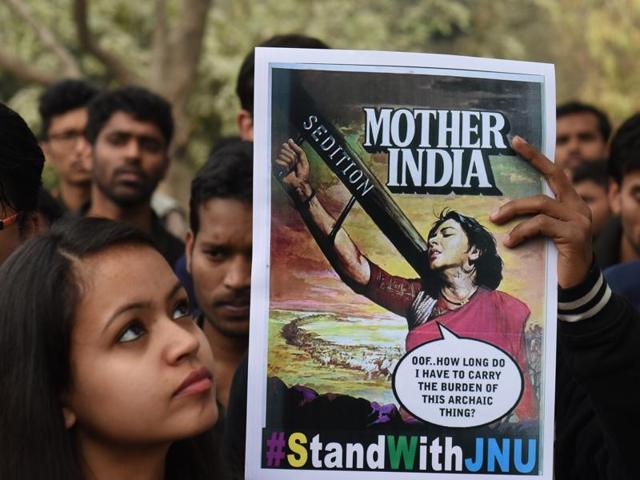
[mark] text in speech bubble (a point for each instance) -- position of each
(457, 381)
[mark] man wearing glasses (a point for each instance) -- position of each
(21, 162)
(63, 109)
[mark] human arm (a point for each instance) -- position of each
(345, 257)
(599, 334)
(599, 346)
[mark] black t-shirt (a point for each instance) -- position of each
(168, 245)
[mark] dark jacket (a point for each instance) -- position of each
(598, 388)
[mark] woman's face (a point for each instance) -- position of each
(449, 247)
(141, 367)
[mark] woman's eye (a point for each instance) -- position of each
(182, 309)
(132, 333)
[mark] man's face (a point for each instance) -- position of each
(596, 197)
(67, 149)
(578, 140)
(219, 260)
(626, 203)
(129, 160)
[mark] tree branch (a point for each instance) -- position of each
(86, 39)
(184, 51)
(24, 71)
(186, 47)
(159, 52)
(47, 37)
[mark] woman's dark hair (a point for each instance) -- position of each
(21, 163)
(489, 264)
(38, 297)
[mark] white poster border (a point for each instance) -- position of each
(401, 62)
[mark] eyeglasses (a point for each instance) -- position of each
(11, 219)
(67, 139)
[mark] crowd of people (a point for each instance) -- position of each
(605, 171)
(124, 347)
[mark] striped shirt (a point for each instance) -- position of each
(585, 300)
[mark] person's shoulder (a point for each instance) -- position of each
(623, 280)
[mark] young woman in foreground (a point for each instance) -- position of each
(104, 373)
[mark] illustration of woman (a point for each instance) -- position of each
(458, 289)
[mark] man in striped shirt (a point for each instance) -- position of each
(598, 363)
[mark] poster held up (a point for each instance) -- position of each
(392, 334)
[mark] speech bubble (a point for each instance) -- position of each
(457, 381)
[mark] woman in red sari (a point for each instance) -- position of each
(458, 290)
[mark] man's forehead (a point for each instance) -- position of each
(225, 214)
(578, 120)
(121, 121)
(73, 118)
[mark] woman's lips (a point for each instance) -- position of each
(197, 381)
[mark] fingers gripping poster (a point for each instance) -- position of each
(392, 332)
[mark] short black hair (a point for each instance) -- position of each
(595, 172)
(21, 163)
(228, 173)
(244, 84)
(624, 155)
(574, 107)
(489, 264)
(140, 103)
(62, 97)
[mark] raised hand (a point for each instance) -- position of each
(292, 168)
(565, 219)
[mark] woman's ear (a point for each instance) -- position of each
(69, 417)
(474, 253)
(68, 414)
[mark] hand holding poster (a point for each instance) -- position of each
(432, 349)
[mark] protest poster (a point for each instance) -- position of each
(392, 333)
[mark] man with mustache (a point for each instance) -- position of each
(218, 252)
(130, 130)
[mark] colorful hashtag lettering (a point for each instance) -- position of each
(275, 449)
